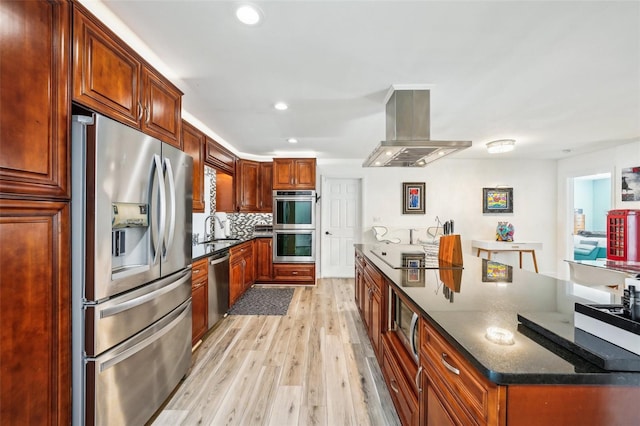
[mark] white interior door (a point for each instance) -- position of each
(339, 226)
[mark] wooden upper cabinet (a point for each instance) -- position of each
(219, 157)
(294, 173)
(265, 188)
(112, 79)
(193, 144)
(35, 310)
(35, 43)
(253, 187)
(162, 108)
(247, 185)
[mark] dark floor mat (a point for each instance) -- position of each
(263, 301)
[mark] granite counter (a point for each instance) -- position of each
(489, 294)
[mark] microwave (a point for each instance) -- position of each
(403, 321)
(294, 209)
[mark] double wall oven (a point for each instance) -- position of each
(294, 226)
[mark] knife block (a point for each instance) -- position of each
(450, 249)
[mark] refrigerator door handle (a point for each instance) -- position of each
(160, 221)
(168, 240)
(130, 304)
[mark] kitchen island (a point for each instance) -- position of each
(531, 376)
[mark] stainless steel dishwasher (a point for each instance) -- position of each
(218, 286)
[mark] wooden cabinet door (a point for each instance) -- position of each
(193, 144)
(264, 259)
(265, 190)
(294, 173)
(305, 173)
(225, 192)
(106, 75)
(283, 173)
(35, 312)
(375, 329)
(366, 313)
(35, 45)
(236, 279)
(247, 185)
(435, 413)
(199, 308)
(162, 109)
(249, 266)
(199, 299)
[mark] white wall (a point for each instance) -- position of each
(454, 191)
(612, 161)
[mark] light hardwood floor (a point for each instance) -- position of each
(313, 366)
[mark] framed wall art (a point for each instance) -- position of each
(413, 198)
(630, 184)
(497, 200)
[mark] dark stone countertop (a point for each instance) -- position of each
(200, 250)
(463, 315)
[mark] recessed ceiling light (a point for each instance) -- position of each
(248, 14)
(292, 140)
(500, 146)
(281, 106)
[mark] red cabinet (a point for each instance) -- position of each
(623, 235)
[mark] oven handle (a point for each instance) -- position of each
(412, 335)
(295, 198)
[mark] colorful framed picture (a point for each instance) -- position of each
(630, 184)
(413, 198)
(497, 200)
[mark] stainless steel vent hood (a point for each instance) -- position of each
(408, 142)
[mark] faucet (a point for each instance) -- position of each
(207, 234)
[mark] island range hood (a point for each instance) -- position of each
(408, 142)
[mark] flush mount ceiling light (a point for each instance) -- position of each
(248, 14)
(500, 146)
(292, 140)
(280, 106)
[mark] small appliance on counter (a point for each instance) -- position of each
(221, 226)
(262, 230)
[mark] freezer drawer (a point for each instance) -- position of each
(127, 384)
(114, 321)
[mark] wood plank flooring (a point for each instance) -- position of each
(313, 366)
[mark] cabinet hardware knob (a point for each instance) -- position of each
(195, 271)
(294, 273)
(327, 233)
(449, 366)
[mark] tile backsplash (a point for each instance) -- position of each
(241, 223)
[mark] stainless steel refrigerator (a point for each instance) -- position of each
(131, 266)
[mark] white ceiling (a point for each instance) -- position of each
(553, 75)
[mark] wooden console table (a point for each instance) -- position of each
(489, 246)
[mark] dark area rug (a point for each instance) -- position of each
(263, 301)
